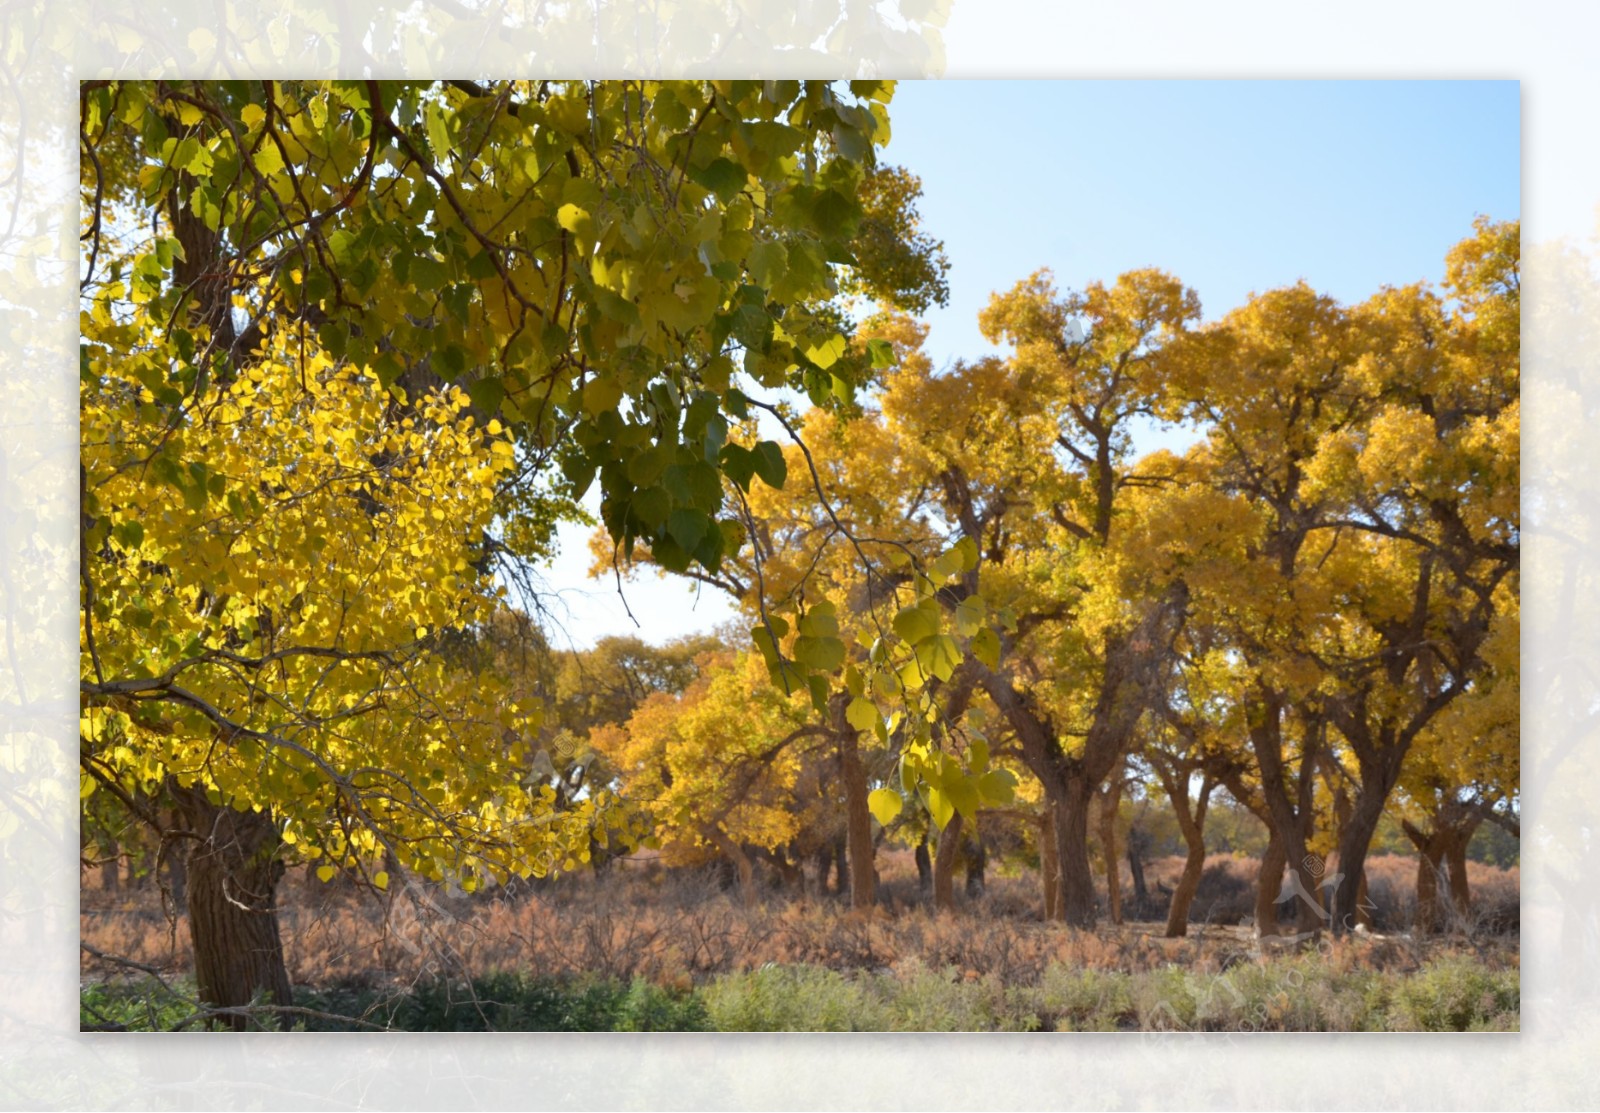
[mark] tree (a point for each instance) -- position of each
(290, 515)
(1030, 458)
(716, 767)
(275, 632)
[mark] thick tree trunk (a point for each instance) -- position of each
(841, 866)
(1049, 863)
(944, 864)
(1076, 897)
(1310, 872)
(858, 816)
(1430, 867)
(233, 875)
(1269, 885)
(1354, 842)
(1110, 800)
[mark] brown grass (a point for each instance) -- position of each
(676, 928)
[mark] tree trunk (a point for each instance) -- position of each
(1076, 898)
(109, 866)
(1110, 799)
(944, 864)
(1269, 885)
(823, 859)
(1194, 865)
(1138, 842)
(858, 816)
(1049, 863)
(233, 874)
(1354, 842)
(841, 867)
(1310, 872)
(977, 863)
(743, 866)
(924, 867)
(1455, 857)
(1430, 866)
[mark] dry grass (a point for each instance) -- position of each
(674, 928)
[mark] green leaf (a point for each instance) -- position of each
(826, 354)
(862, 713)
(963, 794)
(723, 177)
(739, 465)
(486, 394)
(687, 527)
(939, 656)
(968, 548)
(917, 622)
(945, 566)
(940, 808)
(881, 352)
(885, 804)
(651, 505)
(997, 786)
(969, 616)
(768, 261)
(646, 467)
(821, 621)
(978, 755)
(986, 647)
(819, 693)
(821, 654)
(770, 464)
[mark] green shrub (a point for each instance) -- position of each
(1457, 994)
(142, 1006)
(511, 1002)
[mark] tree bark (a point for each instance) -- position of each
(1455, 857)
(1138, 843)
(1269, 884)
(1110, 799)
(1191, 823)
(1076, 897)
(858, 816)
(924, 867)
(744, 867)
(823, 860)
(233, 872)
(1049, 863)
(944, 864)
(109, 866)
(977, 863)
(1356, 839)
(1430, 866)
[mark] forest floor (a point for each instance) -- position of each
(651, 948)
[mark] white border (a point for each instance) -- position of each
(45, 1063)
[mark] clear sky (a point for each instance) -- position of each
(1232, 186)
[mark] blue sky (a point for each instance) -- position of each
(1232, 186)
